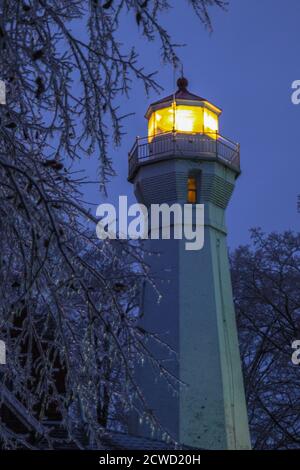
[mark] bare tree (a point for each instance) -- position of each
(266, 286)
(68, 302)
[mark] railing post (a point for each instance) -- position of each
(137, 147)
(174, 141)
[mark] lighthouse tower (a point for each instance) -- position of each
(185, 160)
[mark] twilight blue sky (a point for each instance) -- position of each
(246, 66)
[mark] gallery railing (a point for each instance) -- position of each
(146, 150)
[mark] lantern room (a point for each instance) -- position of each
(183, 113)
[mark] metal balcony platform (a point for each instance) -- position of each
(197, 146)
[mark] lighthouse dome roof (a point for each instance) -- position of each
(181, 95)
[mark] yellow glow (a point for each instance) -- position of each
(210, 121)
(188, 119)
(192, 190)
(151, 125)
(182, 118)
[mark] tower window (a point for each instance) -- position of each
(192, 190)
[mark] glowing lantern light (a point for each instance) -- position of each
(183, 112)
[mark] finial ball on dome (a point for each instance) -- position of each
(182, 83)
